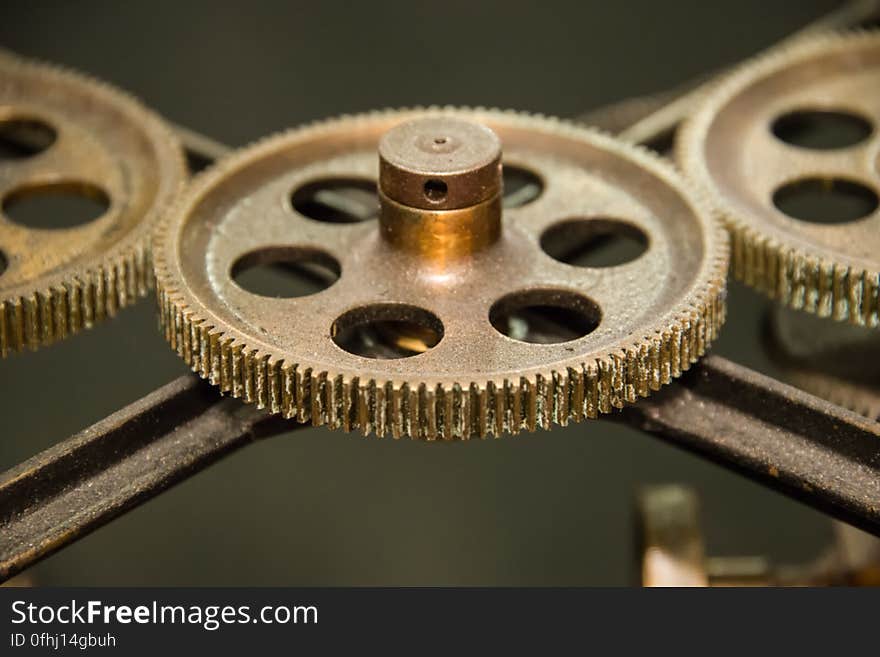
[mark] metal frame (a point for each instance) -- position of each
(786, 439)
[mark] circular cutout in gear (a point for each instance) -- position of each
(403, 343)
(79, 139)
(801, 208)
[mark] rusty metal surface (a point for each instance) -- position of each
(821, 257)
(97, 144)
(71, 489)
(656, 313)
(787, 439)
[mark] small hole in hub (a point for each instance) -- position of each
(436, 190)
(440, 140)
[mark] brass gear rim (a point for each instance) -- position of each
(353, 393)
(799, 264)
(60, 281)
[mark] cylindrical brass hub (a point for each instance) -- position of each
(440, 187)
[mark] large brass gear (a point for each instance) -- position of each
(60, 280)
(731, 148)
(446, 270)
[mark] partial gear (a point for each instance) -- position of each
(460, 311)
(788, 149)
(65, 135)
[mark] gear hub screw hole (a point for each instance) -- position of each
(594, 242)
(436, 190)
(821, 130)
(285, 272)
(545, 316)
(387, 331)
(825, 200)
(337, 201)
(22, 138)
(53, 206)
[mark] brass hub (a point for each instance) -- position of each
(440, 187)
(451, 322)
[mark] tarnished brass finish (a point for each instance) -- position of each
(441, 236)
(440, 163)
(440, 188)
(729, 149)
(60, 280)
(636, 325)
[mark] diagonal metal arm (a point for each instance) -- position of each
(786, 439)
(71, 489)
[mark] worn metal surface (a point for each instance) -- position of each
(96, 143)
(804, 217)
(463, 156)
(440, 189)
(71, 489)
(643, 321)
(787, 439)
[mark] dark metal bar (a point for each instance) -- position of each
(784, 438)
(71, 489)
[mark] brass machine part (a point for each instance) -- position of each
(673, 552)
(440, 188)
(58, 281)
(643, 321)
(728, 148)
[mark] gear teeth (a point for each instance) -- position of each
(462, 410)
(436, 412)
(805, 282)
(50, 315)
(83, 295)
(797, 278)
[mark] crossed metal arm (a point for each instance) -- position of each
(788, 440)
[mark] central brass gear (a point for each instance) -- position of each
(788, 149)
(459, 312)
(66, 136)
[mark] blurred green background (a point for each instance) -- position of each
(322, 508)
